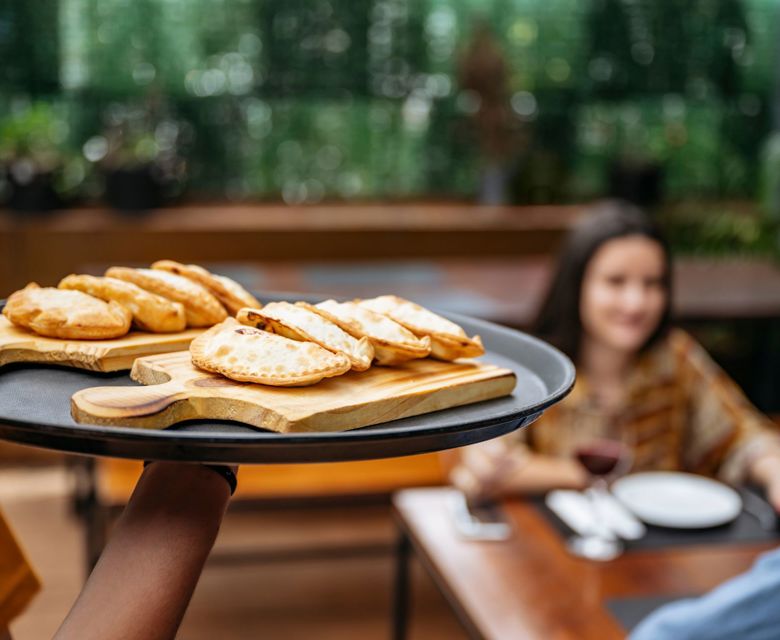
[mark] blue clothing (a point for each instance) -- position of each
(746, 607)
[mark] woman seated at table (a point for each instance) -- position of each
(608, 309)
(143, 582)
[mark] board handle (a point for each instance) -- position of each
(125, 406)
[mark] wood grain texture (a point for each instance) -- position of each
(530, 587)
(222, 232)
(179, 391)
(20, 345)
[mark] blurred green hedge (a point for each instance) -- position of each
(313, 99)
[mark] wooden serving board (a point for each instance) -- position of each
(20, 345)
(180, 391)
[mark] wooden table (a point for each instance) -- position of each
(529, 587)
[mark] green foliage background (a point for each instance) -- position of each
(313, 99)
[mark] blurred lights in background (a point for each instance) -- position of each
(306, 100)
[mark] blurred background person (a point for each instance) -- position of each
(608, 309)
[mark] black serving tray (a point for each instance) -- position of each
(35, 410)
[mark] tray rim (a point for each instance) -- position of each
(247, 436)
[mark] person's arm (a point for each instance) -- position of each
(765, 471)
(143, 582)
(727, 435)
(507, 466)
(743, 607)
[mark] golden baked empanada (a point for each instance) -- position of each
(73, 315)
(231, 294)
(392, 343)
(202, 308)
(150, 311)
(448, 340)
(299, 322)
(248, 354)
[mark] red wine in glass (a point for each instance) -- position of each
(600, 457)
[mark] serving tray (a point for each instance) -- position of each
(35, 403)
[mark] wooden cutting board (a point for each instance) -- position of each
(180, 391)
(20, 345)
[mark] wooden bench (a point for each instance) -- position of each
(226, 232)
(116, 478)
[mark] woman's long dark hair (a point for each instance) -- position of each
(559, 320)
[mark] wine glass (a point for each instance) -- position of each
(604, 449)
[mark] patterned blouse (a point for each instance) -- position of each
(682, 410)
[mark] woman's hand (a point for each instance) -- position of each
(773, 487)
(766, 471)
(488, 471)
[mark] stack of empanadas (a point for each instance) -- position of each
(448, 340)
(285, 344)
(392, 343)
(253, 355)
(66, 314)
(299, 322)
(169, 297)
(231, 294)
(150, 312)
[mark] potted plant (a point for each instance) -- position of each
(40, 172)
(140, 161)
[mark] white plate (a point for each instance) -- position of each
(678, 500)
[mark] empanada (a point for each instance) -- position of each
(300, 322)
(150, 311)
(392, 343)
(248, 354)
(448, 340)
(231, 294)
(201, 308)
(72, 315)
